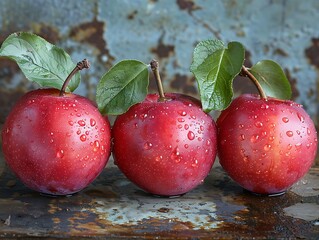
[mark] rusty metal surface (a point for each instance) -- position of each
(114, 208)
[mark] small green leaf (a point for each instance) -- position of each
(272, 79)
(215, 70)
(203, 49)
(124, 85)
(39, 60)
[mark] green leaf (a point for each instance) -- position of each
(214, 69)
(203, 49)
(39, 60)
(124, 85)
(272, 79)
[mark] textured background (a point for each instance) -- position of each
(106, 32)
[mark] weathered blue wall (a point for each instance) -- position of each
(106, 32)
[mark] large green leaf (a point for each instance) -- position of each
(214, 69)
(124, 85)
(39, 60)
(272, 79)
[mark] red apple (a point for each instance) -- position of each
(165, 147)
(266, 145)
(56, 144)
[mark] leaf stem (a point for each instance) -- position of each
(79, 66)
(246, 73)
(154, 66)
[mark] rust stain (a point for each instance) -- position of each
(162, 50)
(49, 33)
(312, 53)
(184, 84)
(132, 15)
(187, 5)
(92, 33)
(293, 84)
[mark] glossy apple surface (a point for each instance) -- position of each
(166, 148)
(56, 144)
(266, 146)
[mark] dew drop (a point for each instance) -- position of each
(148, 145)
(96, 145)
(71, 123)
(87, 132)
(245, 159)
(298, 145)
(289, 146)
(51, 141)
(285, 119)
(78, 132)
(242, 137)
(176, 155)
(208, 142)
(182, 113)
(186, 126)
(60, 154)
(301, 118)
(241, 126)
(186, 146)
(191, 135)
(298, 132)
(102, 129)
(201, 128)
(254, 138)
(289, 133)
(267, 147)
(179, 126)
(199, 139)
(92, 122)
(308, 131)
(83, 138)
(158, 158)
(81, 123)
(271, 138)
(194, 164)
(258, 124)
(264, 106)
(180, 119)
(135, 125)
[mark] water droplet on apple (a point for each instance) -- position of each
(51, 141)
(254, 138)
(148, 145)
(71, 123)
(258, 124)
(191, 135)
(285, 119)
(245, 159)
(182, 113)
(102, 129)
(199, 139)
(158, 158)
(289, 146)
(60, 154)
(186, 146)
(92, 122)
(193, 117)
(242, 137)
(96, 145)
(51, 133)
(179, 126)
(289, 133)
(267, 147)
(81, 123)
(308, 131)
(208, 142)
(298, 145)
(176, 155)
(241, 125)
(180, 119)
(87, 132)
(264, 106)
(301, 118)
(201, 128)
(186, 126)
(143, 116)
(83, 138)
(271, 138)
(194, 164)
(298, 132)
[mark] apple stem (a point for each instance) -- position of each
(154, 66)
(246, 73)
(79, 66)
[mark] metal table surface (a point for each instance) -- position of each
(113, 208)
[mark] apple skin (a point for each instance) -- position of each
(166, 148)
(56, 144)
(266, 145)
